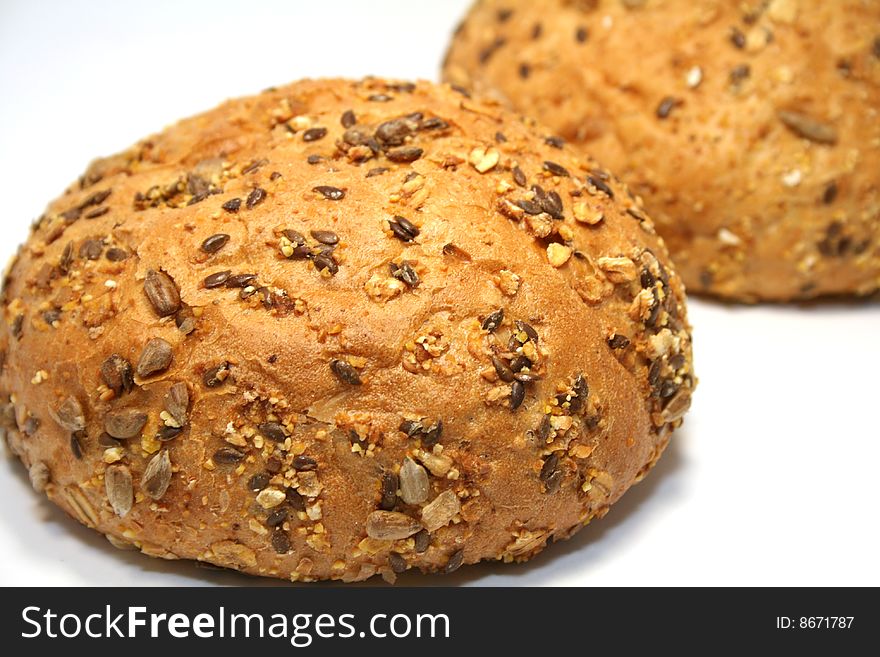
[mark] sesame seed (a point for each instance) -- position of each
(694, 77)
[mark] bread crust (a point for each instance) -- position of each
(751, 129)
(257, 401)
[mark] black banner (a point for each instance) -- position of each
(326, 619)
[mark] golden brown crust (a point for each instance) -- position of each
(268, 426)
(750, 129)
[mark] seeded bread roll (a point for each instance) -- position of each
(341, 329)
(751, 129)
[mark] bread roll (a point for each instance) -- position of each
(751, 129)
(341, 329)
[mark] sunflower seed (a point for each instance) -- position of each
(520, 363)
(185, 321)
(116, 255)
(403, 229)
(551, 475)
(215, 242)
(295, 500)
(530, 207)
(388, 498)
(596, 181)
(162, 293)
(168, 433)
(228, 456)
(258, 482)
(303, 463)
(440, 511)
(69, 415)
(240, 280)
(519, 177)
(556, 169)
(273, 431)
(118, 486)
(502, 369)
(528, 330)
(314, 134)
(452, 250)
(214, 377)
(125, 424)
(66, 258)
(551, 203)
(427, 435)
(278, 516)
(256, 196)
(404, 154)
(493, 320)
(348, 119)
(414, 485)
(157, 475)
(581, 391)
(357, 136)
(322, 236)
(232, 206)
(106, 440)
(430, 436)
(294, 236)
(217, 279)
(76, 444)
(404, 272)
(301, 252)
(394, 132)
(517, 394)
(326, 261)
(39, 476)
(545, 428)
(391, 526)
(155, 358)
(345, 372)
(422, 541)
(454, 562)
(91, 249)
(177, 402)
(398, 563)
(808, 127)
(330, 193)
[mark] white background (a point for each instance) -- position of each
(772, 481)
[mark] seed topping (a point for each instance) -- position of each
(330, 193)
(157, 475)
(155, 358)
(345, 372)
(162, 293)
(215, 242)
